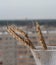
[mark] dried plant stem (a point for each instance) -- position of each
(41, 38)
(13, 27)
(19, 30)
(19, 38)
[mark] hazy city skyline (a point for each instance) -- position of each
(31, 9)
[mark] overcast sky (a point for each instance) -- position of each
(31, 9)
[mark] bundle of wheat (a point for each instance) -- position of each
(13, 27)
(19, 38)
(41, 38)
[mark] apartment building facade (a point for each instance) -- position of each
(13, 52)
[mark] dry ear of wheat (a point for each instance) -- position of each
(17, 37)
(13, 27)
(19, 30)
(41, 38)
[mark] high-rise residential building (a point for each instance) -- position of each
(12, 52)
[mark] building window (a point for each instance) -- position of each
(10, 38)
(31, 56)
(0, 38)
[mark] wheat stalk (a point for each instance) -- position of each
(41, 38)
(19, 38)
(13, 27)
(19, 30)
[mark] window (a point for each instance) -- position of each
(0, 38)
(10, 38)
(31, 56)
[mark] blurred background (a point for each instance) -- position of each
(12, 52)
